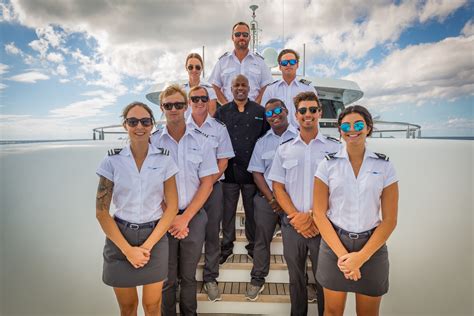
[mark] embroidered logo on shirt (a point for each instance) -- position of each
(259, 118)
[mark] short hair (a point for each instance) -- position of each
(240, 23)
(139, 104)
(240, 76)
(194, 55)
(359, 109)
(288, 51)
(275, 100)
(195, 88)
(305, 96)
(173, 89)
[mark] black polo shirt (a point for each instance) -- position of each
(244, 130)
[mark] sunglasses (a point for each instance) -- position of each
(177, 105)
(285, 63)
(203, 98)
(191, 67)
(133, 121)
(275, 111)
(243, 34)
(358, 126)
(312, 110)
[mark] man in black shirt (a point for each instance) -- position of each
(245, 121)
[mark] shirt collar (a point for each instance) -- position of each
(294, 82)
(127, 151)
(319, 137)
(342, 153)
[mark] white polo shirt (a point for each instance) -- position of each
(295, 164)
(210, 92)
(194, 157)
(253, 67)
(137, 196)
(354, 203)
(265, 149)
(281, 90)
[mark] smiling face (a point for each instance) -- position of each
(354, 136)
(194, 68)
(240, 88)
(276, 121)
(173, 115)
(241, 42)
(198, 108)
(308, 120)
(139, 132)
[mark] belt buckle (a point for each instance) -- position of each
(353, 236)
(134, 226)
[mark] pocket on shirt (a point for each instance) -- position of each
(194, 159)
(291, 170)
(267, 158)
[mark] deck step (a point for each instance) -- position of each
(276, 247)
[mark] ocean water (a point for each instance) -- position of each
(51, 243)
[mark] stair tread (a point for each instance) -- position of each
(240, 236)
(242, 262)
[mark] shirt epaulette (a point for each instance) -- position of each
(163, 151)
(157, 131)
(257, 54)
(306, 82)
(219, 121)
(330, 156)
(382, 156)
(114, 151)
(286, 141)
(274, 82)
(333, 139)
(225, 54)
(200, 132)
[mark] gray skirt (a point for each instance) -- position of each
(374, 281)
(119, 272)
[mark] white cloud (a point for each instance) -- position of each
(40, 46)
(7, 13)
(55, 57)
(94, 93)
(64, 80)
(468, 28)
(29, 77)
(10, 48)
(3, 68)
(2, 86)
(439, 9)
(86, 108)
(420, 73)
(61, 70)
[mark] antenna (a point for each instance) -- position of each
(254, 28)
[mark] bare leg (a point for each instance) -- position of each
(367, 305)
(334, 302)
(152, 298)
(127, 298)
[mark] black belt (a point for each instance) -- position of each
(133, 226)
(365, 234)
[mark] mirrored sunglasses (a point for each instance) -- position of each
(191, 67)
(275, 111)
(203, 98)
(133, 121)
(243, 34)
(285, 62)
(358, 126)
(176, 105)
(312, 110)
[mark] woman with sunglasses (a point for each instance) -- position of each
(194, 67)
(355, 209)
(137, 178)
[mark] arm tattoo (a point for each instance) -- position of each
(104, 194)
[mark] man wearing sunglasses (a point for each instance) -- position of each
(288, 87)
(197, 165)
(294, 163)
(267, 209)
(222, 148)
(240, 61)
(245, 122)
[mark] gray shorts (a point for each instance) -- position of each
(118, 271)
(374, 281)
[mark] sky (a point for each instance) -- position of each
(67, 67)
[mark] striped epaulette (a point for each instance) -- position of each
(219, 121)
(158, 130)
(286, 141)
(225, 54)
(304, 81)
(382, 156)
(200, 132)
(257, 54)
(274, 82)
(333, 139)
(163, 151)
(114, 151)
(330, 156)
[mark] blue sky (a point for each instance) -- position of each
(69, 66)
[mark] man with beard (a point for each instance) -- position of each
(245, 123)
(266, 207)
(240, 61)
(294, 164)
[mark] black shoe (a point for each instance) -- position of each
(224, 258)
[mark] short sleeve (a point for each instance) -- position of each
(212, 93)
(106, 169)
(209, 164)
(266, 75)
(390, 175)
(171, 168)
(277, 172)
(256, 162)
(267, 95)
(215, 77)
(322, 172)
(224, 149)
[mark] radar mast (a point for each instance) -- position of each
(254, 28)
